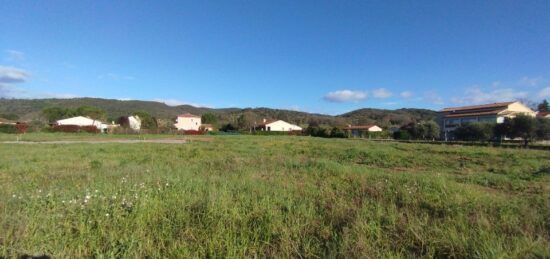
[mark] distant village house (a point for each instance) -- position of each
(360, 131)
(188, 121)
(84, 121)
(276, 125)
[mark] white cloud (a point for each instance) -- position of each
(433, 98)
(175, 102)
(381, 93)
(406, 94)
(346, 96)
(544, 93)
(15, 56)
(113, 76)
(478, 96)
(13, 75)
(530, 81)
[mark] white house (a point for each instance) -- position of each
(134, 122)
(277, 125)
(188, 121)
(361, 130)
(83, 121)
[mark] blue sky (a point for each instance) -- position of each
(316, 56)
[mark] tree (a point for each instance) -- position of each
(475, 131)
(543, 128)
(524, 127)
(246, 120)
(209, 118)
(431, 130)
(91, 112)
(9, 116)
(147, 121)
(228, 128)
(504, 129)
(543, 106)
(53, 114)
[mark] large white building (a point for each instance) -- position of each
(276, 125)
(188, 121)
(83, 121)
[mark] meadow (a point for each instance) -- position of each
(272, 196)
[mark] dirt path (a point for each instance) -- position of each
(123, 141)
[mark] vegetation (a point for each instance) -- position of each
(270, 196)
(522, 126)
(424, 130)
(28, 109)
(55, 113)
(542, 107)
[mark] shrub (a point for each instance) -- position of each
(89, 129)
(191, 132)
(66, 128)
(8, 128)
(21, 128)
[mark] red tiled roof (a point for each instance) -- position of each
(188, 115)
(543, 114)
(476, 107)
(493, 112)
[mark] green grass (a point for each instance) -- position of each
(273, 196)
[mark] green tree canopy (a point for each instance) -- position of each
(543, 106)
(147, 121)
(209, 118)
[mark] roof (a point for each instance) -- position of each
(360, 126)
(188, 115)
(543, 114)
(266, 122)
(2, 120)
(206, 125)
(476, 107)
(486, 113)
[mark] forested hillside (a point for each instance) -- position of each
(31, 109)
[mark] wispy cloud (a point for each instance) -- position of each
(113, 76)
(13, 75)
(346, 96)
(381, 93)
(433, 97)
(406, 94)
(14, 55)
(544, 93)
(476, 95)
(530, 81)
(175, 102)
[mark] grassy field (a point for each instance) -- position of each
(246, 196)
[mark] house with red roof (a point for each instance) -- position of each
(188, 121)
(453, 117)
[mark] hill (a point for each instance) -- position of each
(30, 109)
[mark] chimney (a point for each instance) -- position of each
(265, 120)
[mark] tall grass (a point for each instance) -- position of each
(277, 196)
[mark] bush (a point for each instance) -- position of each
(8, 128)
(66, 128)
(89, 129)
(21, 128)
(191, 132)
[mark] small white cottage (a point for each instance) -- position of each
(276, 125)
(188, 121)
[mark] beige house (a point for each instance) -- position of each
(188, 121)
(453, 117)
(276, 125)
(359, 131)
